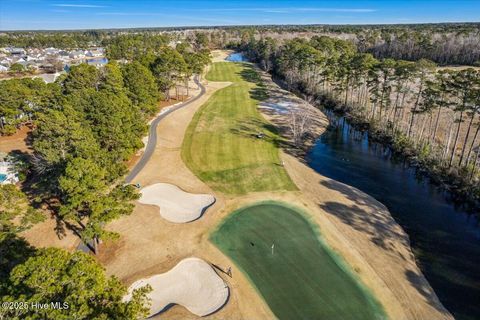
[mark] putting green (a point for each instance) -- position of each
(228, 144)
(303, 278)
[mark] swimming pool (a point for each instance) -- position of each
(3, 177)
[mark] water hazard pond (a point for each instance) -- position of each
(236, 57)
(445, 239)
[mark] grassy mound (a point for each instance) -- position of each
(228, 143)
(303, 278)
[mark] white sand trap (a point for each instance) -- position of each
(192, 283)
(279, 106)
(175, 204)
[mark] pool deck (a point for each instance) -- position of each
(7, 174)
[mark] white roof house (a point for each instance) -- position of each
(3, 68)
(19, 60)
(16, 51)
(51, 51)
(95, 53)
(77, 54)
(49, 77)
(6, 61)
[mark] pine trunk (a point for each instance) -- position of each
(472, 144)
(455, 141)
(467, 135)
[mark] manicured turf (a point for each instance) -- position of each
(221, 144)
(303, 279)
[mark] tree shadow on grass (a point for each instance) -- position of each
(259, 92)
(254, 128)
(381, 228)
(421, 285)
(249, 74)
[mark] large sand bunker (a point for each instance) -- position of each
(175, 204)
(192, 283)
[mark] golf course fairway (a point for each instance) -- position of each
(228, 144)
(300, 277)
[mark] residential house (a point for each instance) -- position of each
(77, 54)
(97, 52)
(51, 51)
(6, 61)
(48, 77)
(16, 51)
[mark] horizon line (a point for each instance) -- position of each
(240, 25)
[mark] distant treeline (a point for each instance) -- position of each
(60, 40)
(443, 43)
(445, 48)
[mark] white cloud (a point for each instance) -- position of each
(77, 5)
(120, 14)
(275, 11)
(185, 18)
(294, 9)
(354, 10)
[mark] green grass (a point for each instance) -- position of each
(303, 279)
(220, 144)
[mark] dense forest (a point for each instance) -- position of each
(86, 126)
(61, 40)
(444, 48)
(444, 43)
(430, 115)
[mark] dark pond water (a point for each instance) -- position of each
(445, 239)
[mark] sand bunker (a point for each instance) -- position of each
(192, 283)
(283, 107)
(175, 204)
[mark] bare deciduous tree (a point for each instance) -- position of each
(299, 122)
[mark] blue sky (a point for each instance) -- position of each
(89, 14)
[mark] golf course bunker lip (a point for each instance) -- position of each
(192, 283)
(175, 204)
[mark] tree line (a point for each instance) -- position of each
(61, 40)
(445, 44)
(87, 125)
(444, 48)
(431, 116)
